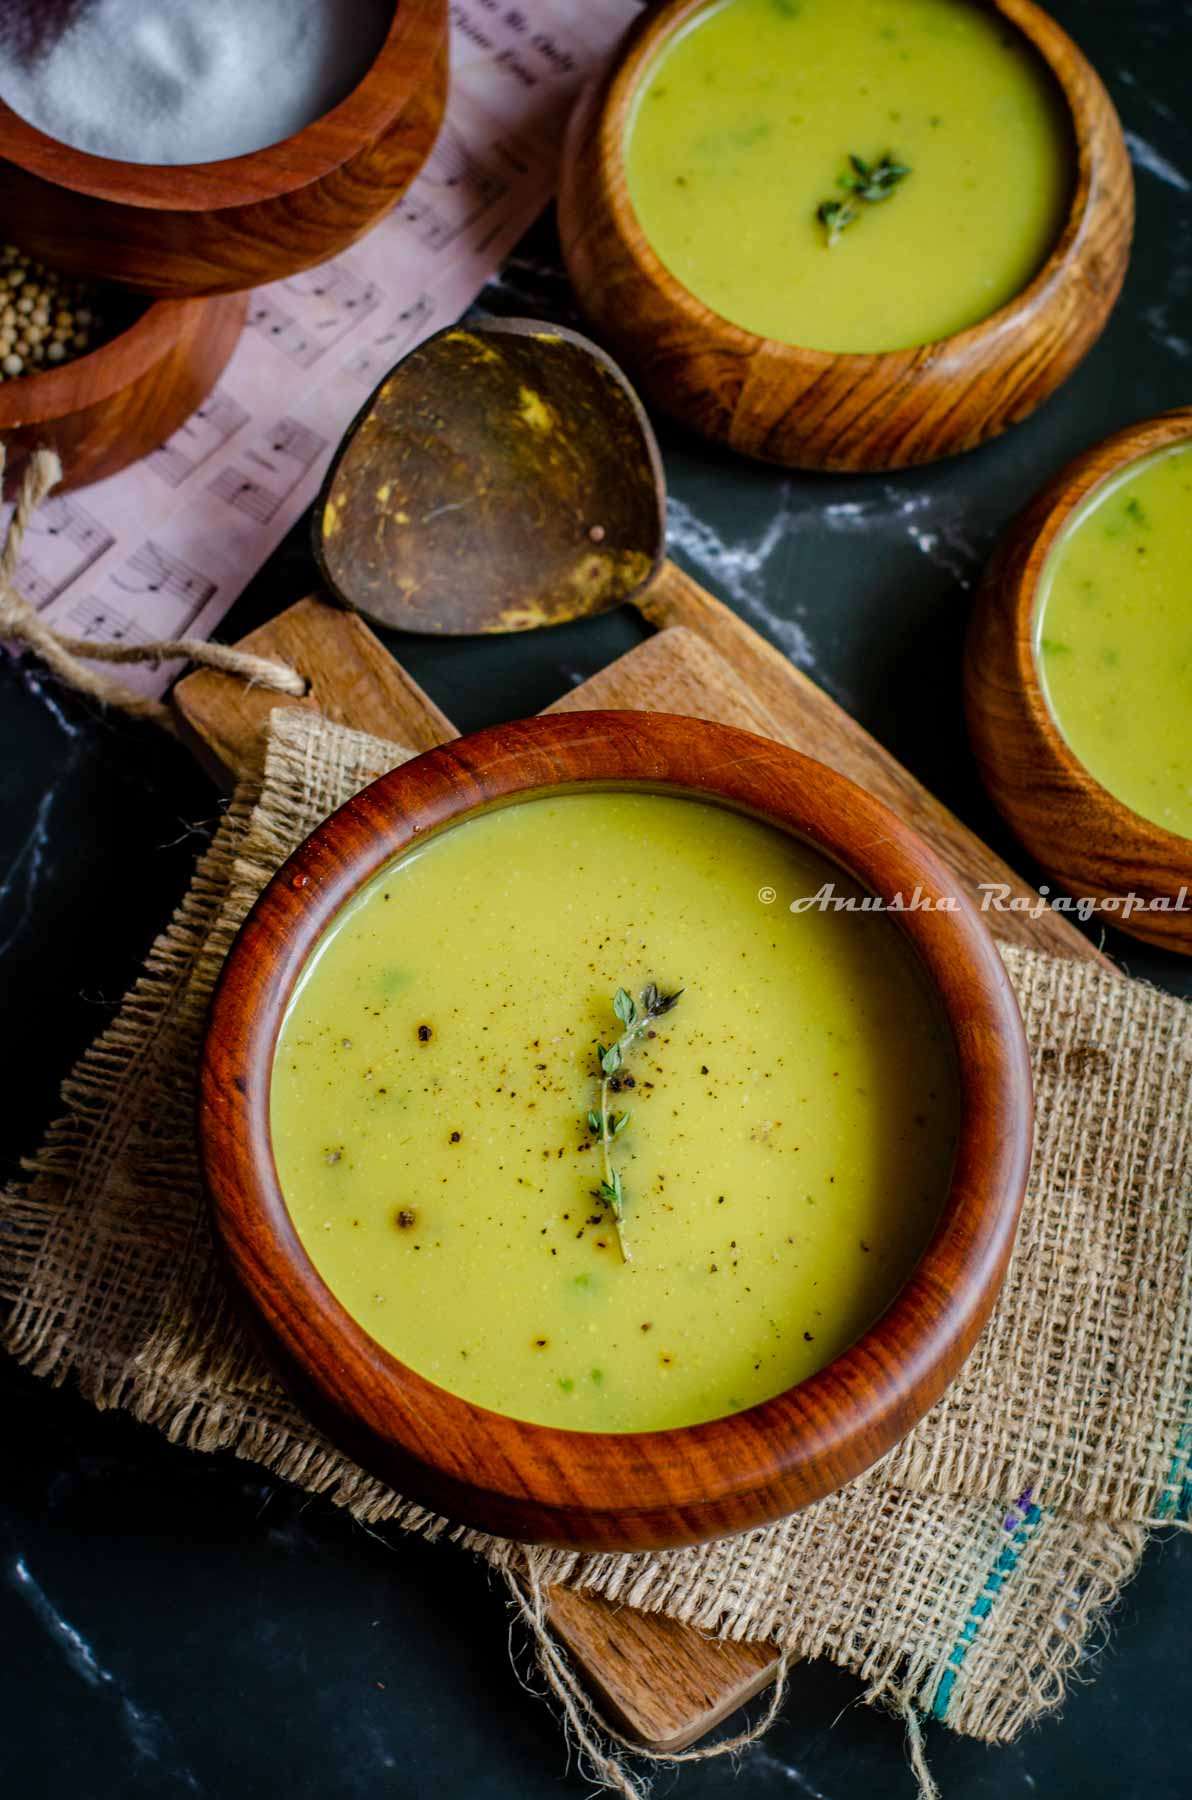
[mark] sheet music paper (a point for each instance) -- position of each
(165, 547)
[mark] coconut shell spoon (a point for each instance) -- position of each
(502, 477)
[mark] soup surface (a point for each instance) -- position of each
(1114, 636)
(791, 1128)
(746, 122)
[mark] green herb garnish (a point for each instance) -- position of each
(835, 216)
(868, 182)
(606, 1124)
(873, 181)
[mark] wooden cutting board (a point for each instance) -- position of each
(662, 1684)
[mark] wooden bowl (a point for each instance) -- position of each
(111, 407)
(1075, 828)
(814, 409)
(206, 228)
(634, 1490)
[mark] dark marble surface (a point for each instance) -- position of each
(178, 1625)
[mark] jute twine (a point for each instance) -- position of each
(69, 657)
(586, 1727)
(951, 1592)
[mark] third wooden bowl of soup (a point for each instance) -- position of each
(1079, 679)
(848, 234)
(602, 1164)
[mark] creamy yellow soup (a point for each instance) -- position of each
(1113, 636)
(743, 129)
(791, 1120)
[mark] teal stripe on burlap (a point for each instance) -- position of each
(1021, 1524)
(1176, 1501)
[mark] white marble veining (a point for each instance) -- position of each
(764, 1762)
(938, 532)
(79, 1655)
(934, 523)
(1128, 79)
(1158, 323)
(1145, 156)
(738, 570)
(37, 684)
(146, 1732)
(23, 877)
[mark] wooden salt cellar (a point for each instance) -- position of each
(207, 228)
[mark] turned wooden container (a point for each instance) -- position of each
(645, 1489)
(815, 409)
(111, 407)
(1076, 829)
(204, 228)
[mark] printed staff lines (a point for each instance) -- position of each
(210, 427)
(454, 189)
(62, 541)
(326, 305)
(373, 360)
(170, 579)
(261, 482)
(91, 617)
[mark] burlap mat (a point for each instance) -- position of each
(961, 1579)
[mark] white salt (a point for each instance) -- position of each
(187, 81)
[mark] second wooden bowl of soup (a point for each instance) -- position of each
(1078, 679)
(450, 1006)
(848, 234)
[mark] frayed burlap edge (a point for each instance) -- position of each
(949, 1606)
(1081, 1385)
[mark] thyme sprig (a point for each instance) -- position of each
(873, 181)
(637, 1018)
(864, 181)
(835, 216)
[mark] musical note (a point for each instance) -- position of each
(180, 591)
(263, 479)
(283, 330)
(330, 302)
(453, 190)
(62, 541)
(372, 360)
(89, 617)
(337, 300)
(214, 424)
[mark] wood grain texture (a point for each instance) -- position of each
(219, 226)
(661, 1683)
(666, 1684)
(812, 409)
(676, 672)
(111, 407)
(807, 719)
(1092, 843)
(352, 679)
(630, 1490)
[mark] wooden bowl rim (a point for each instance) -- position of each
(1045, 519)
(101, 373)
(294, 162)
(875, 1390)
(1068, 67)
